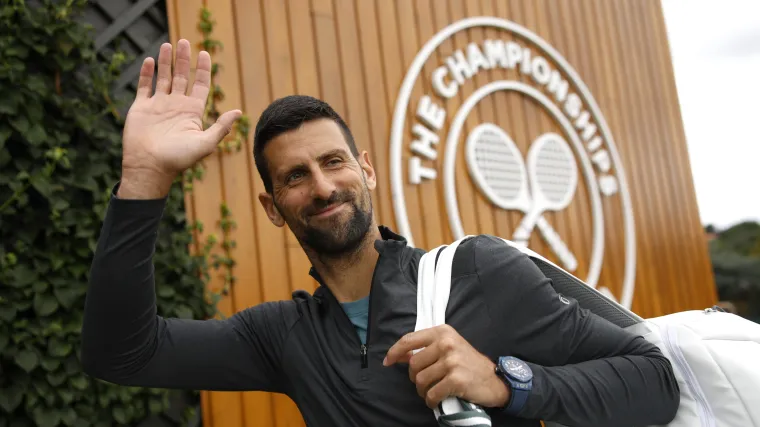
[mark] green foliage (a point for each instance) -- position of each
(735, 255)
(60, 155)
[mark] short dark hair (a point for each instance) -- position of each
(286, 114)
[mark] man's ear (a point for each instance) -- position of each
(369, 171)
(268, 203)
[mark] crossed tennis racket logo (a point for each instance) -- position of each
(548, 183)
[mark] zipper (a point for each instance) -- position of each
(706, 417)
(363, 352)
(365, 347)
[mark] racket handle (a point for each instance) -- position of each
(555, 242)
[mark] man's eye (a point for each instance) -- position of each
(294, 176)
(334, 162)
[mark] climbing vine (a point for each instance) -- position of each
(60, 156)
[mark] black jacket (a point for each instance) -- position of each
(587, 372)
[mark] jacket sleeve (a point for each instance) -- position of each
(587, 371)
(125, 341)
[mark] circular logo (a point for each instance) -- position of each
(572, 162)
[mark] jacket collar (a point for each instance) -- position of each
(389, 240)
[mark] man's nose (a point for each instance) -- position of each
(322, 187)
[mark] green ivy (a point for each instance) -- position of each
(60, 155)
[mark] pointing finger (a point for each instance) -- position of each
(409, 342)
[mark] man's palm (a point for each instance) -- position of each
(164, 132)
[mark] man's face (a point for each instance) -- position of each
(319, 189)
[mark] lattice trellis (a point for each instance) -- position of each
(135, 27)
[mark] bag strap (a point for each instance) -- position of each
(433, 291)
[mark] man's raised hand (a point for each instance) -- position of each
(163, 132)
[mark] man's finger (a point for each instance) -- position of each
(429, 376)
(181, 67)
(202, 76)
(214, 134)
(422, 359)
(164, 80)
(407, 343)
(145, 82)
(439, 392)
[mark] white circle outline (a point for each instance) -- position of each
(402, 103)
(450, 158)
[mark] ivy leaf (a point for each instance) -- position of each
(79, 382)
(119, 415)
(20, 123)
(11, 397)
(7, 313)
(23, 276)
(67, 297)
(27, 360)
(69, 416)
(56, 379)
(45, 417)
(155, 405)
(57, 348)
(45, 305)
(50, 363)
(67, 396)
(35, 135)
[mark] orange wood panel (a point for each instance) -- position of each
(355, 54)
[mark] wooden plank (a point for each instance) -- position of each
(394, 70)
(253, 31)
(223, 408)
(354, 87)
(705, 294)
(580, 57)
(656, 157)
(376, 103)
(237, 187)
(647, 293)
(430, 194)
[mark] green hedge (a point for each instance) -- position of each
(60, 152)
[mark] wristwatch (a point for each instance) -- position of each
(519, 378)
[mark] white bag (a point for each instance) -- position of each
(715, 355)
(716, 360)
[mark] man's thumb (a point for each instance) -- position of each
(214, 134)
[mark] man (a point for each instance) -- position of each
(344, 354)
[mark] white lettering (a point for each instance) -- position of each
(459, 67)
(424, 145)
(430, 113)
(602, 160)
(443, 90)
(594, 144)
(558, 86)
(514, 54)
(495, 53)
(476, 59)
(573, 105)
(417, 171)
(525, 69)
(583, 123)
(608, 185)
(542, 72)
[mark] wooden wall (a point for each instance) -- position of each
(354, 54)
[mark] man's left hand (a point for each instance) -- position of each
(448, 366)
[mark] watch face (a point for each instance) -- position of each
(517, 369)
